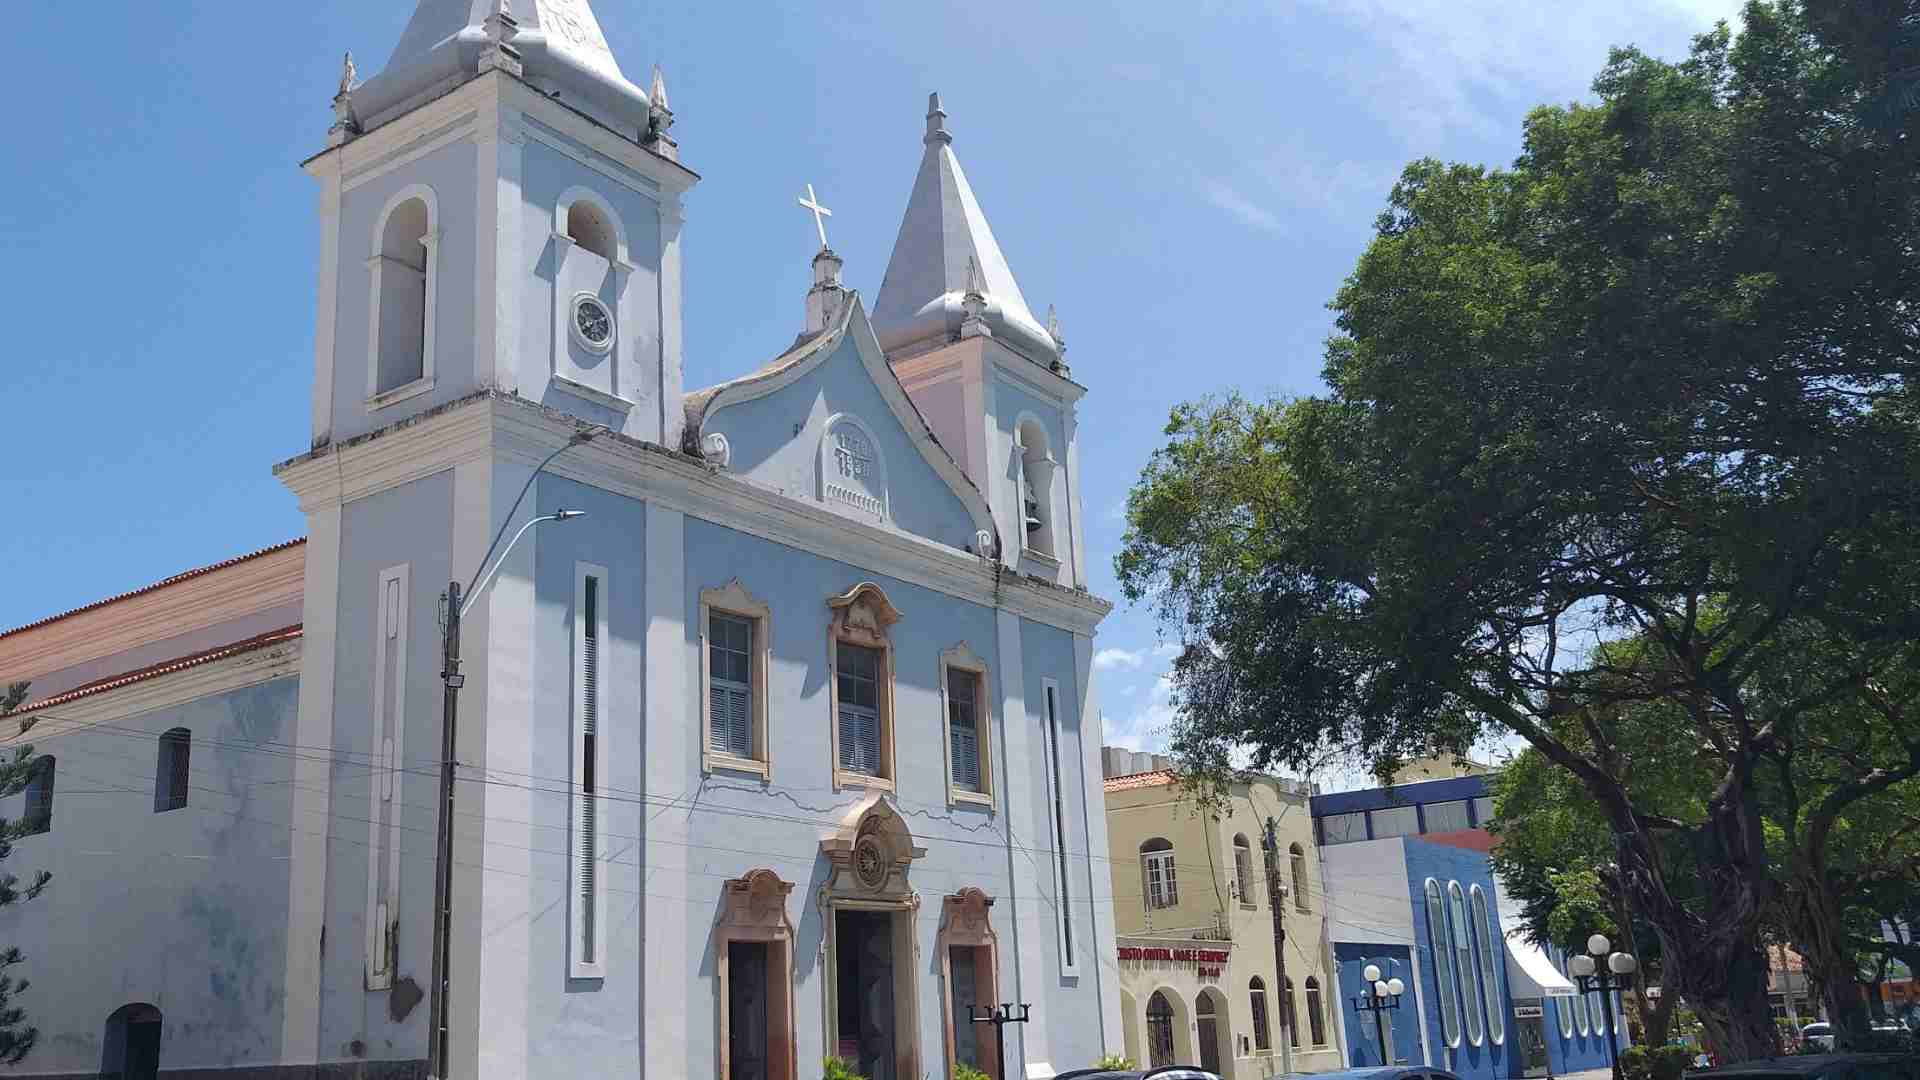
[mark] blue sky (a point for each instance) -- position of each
(1189, 183)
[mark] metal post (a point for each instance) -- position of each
(438, 1066)
(1380, 1029)
(1000, 1017)
(1613, 1038)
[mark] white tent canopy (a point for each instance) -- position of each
(1530, 971)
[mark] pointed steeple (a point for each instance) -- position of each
(922, 301)
(560, 43)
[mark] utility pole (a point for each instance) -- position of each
(443, 860)
(1276, 899)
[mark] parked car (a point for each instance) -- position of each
(1818, 1034)
(1818, 1067)
(1168, 1072)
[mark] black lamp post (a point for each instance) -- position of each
(1000, 1017)
(1609, 981)
(1381, 996)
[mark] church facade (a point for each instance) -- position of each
(777, 735)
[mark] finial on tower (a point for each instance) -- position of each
(501, 28)
(975, 304)
(346, 123)
(349, 75)
(937, 122)
(1053, 328)
(659, 119)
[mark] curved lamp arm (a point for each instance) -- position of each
(486, 578)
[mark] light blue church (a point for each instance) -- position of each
(777, 732)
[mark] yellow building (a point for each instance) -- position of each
(1199, 980)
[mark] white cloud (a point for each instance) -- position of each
(1166, 650)
(1119, 659)
(1450, 67)
(1239, 207)
(1149, 726)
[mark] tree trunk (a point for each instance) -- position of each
(1711, 956)
(1656, 1017)
(1814, 921)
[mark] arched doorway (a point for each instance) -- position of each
(1209, 1012)
(132, 1046)
(1159, 1031)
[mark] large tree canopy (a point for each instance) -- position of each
(1652, 382)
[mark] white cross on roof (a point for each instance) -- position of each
(820, 214)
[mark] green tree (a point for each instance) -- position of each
(1650, 383)
(17, 1037)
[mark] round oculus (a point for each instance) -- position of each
(592, 323)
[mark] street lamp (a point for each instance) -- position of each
(439, 1063)
(1381, 995)
(1620, 965)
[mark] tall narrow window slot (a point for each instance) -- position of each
(173, 770)
(1297, 860)
(1243, 869)
(403, 275)
(38, 817)
(1036, 466)
(1069, 961)
(383, 779)
(588, 885)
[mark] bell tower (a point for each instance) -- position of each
(500, 210)
(992, 381)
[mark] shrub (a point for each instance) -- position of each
(841, 1069)
(1668, 1062)
(1114, 1063)
(964, 1071)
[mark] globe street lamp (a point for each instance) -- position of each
(1381, 995)
(1616, 977)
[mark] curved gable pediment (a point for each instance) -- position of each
(829, 422)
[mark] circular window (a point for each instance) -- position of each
(592, 323)
(870, 863)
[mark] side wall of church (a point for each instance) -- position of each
(405, 527)
(183, 910)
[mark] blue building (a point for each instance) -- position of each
(1411, 889)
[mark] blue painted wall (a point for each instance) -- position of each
(1363, 1034)
(1488, 1060)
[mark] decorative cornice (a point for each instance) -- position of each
(505, 426)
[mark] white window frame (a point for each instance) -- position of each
(376, 261)
(962, 658)
(1562, 1005)
(1243, 870)
(1058, 841)
(733, 599)
(587, 960)
(1440, 944)
(1169, 876)
(862, 616)
(389, 727)
(1480, 913)
(1466, 963)
(1300, 874)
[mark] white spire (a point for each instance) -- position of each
(560, 42)
(943, 233)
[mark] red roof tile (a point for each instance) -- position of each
(1140, 780)
(142, 591)
(166, 667)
